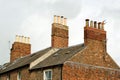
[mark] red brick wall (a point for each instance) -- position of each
(58, 42)
(3, 77)
(94, 34)
(38, 74)
(77, 71)
(19, 49)
(95, 54)
(59, 35)
(25, 74)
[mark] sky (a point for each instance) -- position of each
(33, 18)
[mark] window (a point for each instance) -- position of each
(48, 74)
(8, 76)
(19, 76)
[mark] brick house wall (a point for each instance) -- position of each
(78, 71)
(39, 73)
(25, 74)
(4, 77)
(94, 54)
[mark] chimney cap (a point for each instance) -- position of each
(99, 22)
(95, 21)
(62, 16)
(86, 19)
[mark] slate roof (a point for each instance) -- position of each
(60, 56)
(57, 58)
(24, 60)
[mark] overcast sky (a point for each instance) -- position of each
(33, 18)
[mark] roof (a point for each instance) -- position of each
(58, 57)
(24, 60)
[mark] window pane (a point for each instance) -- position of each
(48, 75)
(19, 76)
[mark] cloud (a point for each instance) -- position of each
(34, 17)
(113, 29)
(68, 8)
(26, 17)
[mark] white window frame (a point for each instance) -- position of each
(19, 75)
(44, 75)
(8, 76)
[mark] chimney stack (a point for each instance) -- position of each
(21, 47)
(94, 33)
(59, 37)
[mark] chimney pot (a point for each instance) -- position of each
(102, 25)
(22, 39)
(87, 22)
(58, 19)
(55, 19)
(28, 40)
(99, 25)
(95, 24)
(62, 20)
(25, 39)
(16, 38)
(65, 21)
(91, 23)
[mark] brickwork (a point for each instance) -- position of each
(94, 34)
(3, 77)
(19, 50)
(39, 74)
(91, 63)
(95, 54)
(77, 71)
(59, 35)
(25, 74)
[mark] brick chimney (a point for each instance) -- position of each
(59, 32)
(94, 32)
(21, 47)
